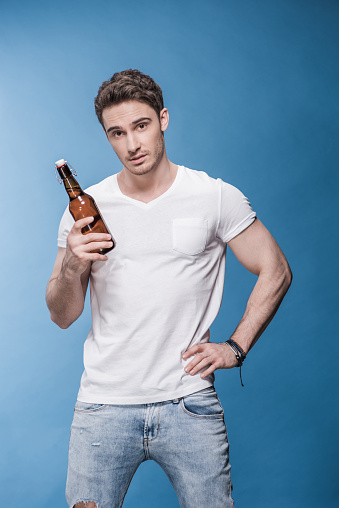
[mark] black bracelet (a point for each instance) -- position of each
(239, 354)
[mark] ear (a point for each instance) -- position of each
(164, 119)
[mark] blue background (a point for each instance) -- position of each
(251, 89)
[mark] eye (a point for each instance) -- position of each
(116, 134)
(142, 126)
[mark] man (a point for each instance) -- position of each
(147, 389)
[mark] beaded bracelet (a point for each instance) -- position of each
(239, 354)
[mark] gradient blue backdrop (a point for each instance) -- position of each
(251, 88)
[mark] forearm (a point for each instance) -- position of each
(262, 305)
(65, 298)
(66, 290)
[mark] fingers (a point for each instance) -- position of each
(95, 237)
(216, 356)
(79, 224)
(94, 246)
(86, 237)
(197, 364)
(79, 244)
(89, 242)
(193, 350)
(92, 256)
(83, 249)
(208, 371)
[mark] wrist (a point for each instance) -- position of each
(240, 350)
(68, 274)
(239, 354)
(72, 267)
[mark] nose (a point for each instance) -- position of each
(132, 144)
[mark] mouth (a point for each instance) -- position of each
(138, 159)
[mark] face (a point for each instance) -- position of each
(136, 135)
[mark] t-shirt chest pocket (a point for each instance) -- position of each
(190, 235)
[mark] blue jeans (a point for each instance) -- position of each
(187, 437)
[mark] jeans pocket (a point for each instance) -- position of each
(203, 404)
(87, 407)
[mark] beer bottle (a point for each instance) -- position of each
(81, 204)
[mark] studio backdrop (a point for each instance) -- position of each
(252, 93)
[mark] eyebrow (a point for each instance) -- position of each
(117, 127)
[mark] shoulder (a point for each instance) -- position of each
(200, 181)
(199, 176)
(101, 187)
(203, 181)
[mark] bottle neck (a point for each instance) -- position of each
(72, 187)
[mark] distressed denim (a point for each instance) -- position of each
(187, 437)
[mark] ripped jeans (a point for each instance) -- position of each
(187, 437)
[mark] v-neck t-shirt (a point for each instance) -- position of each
(161, 287)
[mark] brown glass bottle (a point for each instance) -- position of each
(82, 205)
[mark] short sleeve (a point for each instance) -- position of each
(235, 212)
(65, 226)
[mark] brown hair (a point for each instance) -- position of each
(126, 86)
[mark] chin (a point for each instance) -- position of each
(141, 170)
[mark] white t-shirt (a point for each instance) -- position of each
(161, 288)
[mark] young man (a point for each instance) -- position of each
(147, 388)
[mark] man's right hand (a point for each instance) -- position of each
(80, 247)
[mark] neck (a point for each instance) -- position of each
(157, 180)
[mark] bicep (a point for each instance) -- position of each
(58, 265)
(256, 249)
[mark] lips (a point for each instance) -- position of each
(138, 159)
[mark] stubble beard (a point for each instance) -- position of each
(152, 164)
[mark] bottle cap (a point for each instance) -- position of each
(60, 163)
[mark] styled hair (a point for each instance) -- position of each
(126, 86)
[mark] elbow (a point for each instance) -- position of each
(281, 276)
(58, 318)
(63, 326)
(287, 277)
(61, 323)
(290, 277)
(62, 319)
